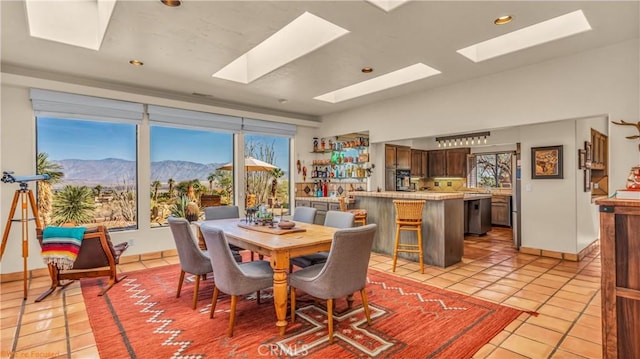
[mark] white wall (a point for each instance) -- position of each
(600, 82)
(587, 215)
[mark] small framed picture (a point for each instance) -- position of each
(587, 148)
(582, 158)
(587, 180)
(546, 162)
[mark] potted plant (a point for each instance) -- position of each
(185, 208)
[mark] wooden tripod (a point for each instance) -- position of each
(24, 196)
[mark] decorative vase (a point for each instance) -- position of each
(633, 181)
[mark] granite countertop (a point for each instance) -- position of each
(434, 196)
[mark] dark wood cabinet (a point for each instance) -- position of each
(457, 162)
(424, 164)
(403, 157)
(418, 163)
(448, 163)
(397, 157)
(620, 277)
(599, 144)
(390, 157)
(437, 163)
(501, 210)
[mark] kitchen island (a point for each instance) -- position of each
(442, 224)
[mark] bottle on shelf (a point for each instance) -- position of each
(324, 189)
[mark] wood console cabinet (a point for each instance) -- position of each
(620, 256)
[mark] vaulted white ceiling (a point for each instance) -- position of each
(182, 47)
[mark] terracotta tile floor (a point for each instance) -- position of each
(566, 294)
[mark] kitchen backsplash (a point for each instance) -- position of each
(305, 189)
(444, 184)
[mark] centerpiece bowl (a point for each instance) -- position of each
(286, 224)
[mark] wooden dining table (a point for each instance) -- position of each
(279, 248)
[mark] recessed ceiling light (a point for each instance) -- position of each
(503, 20)
(367, 70)
(396, 78)
(136, 62)
(301, 36)
(540, 33)
(171, 3)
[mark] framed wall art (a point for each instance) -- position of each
(582, 158)
(587, 148)
(546, 162)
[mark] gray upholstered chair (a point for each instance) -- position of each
(344, 273)
(230, 277)
(336, 219)
(221, 212)
(192, 259)
(304, 214)
(225, 212)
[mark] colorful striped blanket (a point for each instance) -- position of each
(60, 245)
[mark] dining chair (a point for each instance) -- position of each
(336, 219)
(225, 212)
(344, 273)
(192, 259)
(304, 214)
(230, 277)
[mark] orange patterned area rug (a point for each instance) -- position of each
(141, 318)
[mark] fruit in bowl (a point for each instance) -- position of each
(286, 224)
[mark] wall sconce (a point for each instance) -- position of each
(457, 140)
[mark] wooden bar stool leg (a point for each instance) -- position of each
(420, 249)
(395, 250)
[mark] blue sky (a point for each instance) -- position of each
(92, 140)
(86, 140)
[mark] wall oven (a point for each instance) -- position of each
(403, 178)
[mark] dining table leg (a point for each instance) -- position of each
(280, 265)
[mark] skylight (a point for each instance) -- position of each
(80, 23)
(298, 38)
(396, 78)
(540, 33)
(387, 5)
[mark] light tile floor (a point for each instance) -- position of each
(565, 294)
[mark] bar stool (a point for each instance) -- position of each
(408, 218)
(360, 214)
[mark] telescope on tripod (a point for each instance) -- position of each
(25, 197)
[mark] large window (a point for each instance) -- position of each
(267, 185)
(185, 174)
(490, 170)
(93, 172)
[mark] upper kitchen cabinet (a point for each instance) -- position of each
(448, 163)
(437, 164)
(397, 157)
(419, 163)
(599, 161)
(599, 143)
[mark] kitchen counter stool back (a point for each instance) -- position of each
(360, 214)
